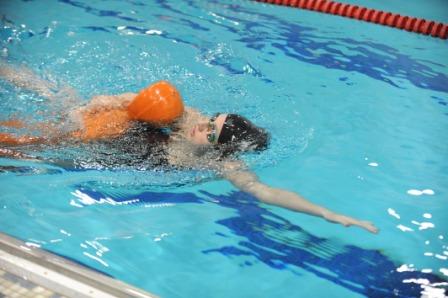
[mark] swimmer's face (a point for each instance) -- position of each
(207, 132)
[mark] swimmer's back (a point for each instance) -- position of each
(105, 116)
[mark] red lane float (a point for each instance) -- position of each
(407, 23)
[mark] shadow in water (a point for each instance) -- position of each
(283, 245)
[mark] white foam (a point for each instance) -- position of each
(431, 291)
(85, 199)
(420, 281)
(65, 232)
(96, 258)
(404, 228)
(423, 225)
(428, 192)
(426, 225)
(73, 203)
(444, 271)
(32, 244)
(393, 213)
(414, 192)
(404, 268)
(154, 32)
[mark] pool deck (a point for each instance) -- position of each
(27, 271)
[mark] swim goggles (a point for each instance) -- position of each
(211, 136)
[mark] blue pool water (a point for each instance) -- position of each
(358, 114)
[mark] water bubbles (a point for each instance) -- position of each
(416, 192)
(160, 237)
(85, 199)
(424, 225)
(32, 244)
(153, 32)
(393, 213)
(444, 271)
(96, 259)
(65, 232)
(371, 164)
(404, 228)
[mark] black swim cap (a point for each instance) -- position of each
(239, 134)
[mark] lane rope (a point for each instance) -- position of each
(411, 24)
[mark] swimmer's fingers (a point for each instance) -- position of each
(369, 227)
(347, 221)
(366, 225)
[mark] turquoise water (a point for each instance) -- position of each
(358, 115)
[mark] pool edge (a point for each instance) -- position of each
(58, 274)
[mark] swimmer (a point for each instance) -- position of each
(192, 141)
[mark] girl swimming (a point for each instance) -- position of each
(191, 140)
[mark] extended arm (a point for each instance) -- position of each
(248, 182)
(25, 78)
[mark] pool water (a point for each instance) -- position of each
(358, 115)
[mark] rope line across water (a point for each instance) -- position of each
(407, 23)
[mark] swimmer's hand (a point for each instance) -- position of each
(347, 221)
